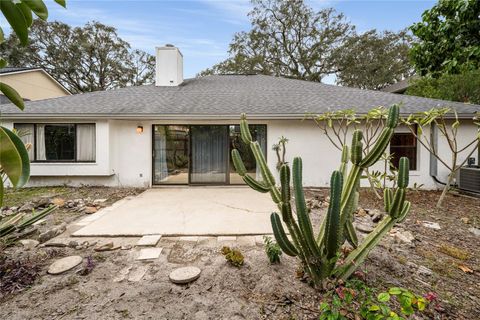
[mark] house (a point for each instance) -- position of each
(180, 131)
(32, 84)
(400, 87)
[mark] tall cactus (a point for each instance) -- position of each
(319, 252)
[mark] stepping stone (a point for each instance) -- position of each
(475, 231)
(29, 243)
(431, 225)
(184, 275)
(149, 253)
(365, 228)
(149, 241)
(246, 241)
(122, 274)
(259, 240)
(64, 264)
(137, 274)
(189, 238)
(226, 238)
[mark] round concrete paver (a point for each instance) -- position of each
(64, 264)
(184, 275)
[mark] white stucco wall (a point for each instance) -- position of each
(124, 157)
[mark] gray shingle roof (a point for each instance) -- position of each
(13, 69)
(228, 96)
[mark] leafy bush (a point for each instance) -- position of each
(272, 249)
(464, 87)
(233, 256)
(355, 298)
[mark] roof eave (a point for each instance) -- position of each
(265, 116)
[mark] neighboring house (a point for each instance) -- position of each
(32, 84)
(182, 131)
(399, 87)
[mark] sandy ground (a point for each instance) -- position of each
(257, 290)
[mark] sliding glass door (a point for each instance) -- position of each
(209, 156)
(200, 154)
(170, 154)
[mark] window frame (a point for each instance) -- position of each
(35, 160)
(415, 146)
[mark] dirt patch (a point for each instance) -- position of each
(259, 290)
(72, 203)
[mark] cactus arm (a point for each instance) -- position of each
(242, 171)
(285, 182)
(260, 158)
(350, 234)
(398, 210)
(255, 185)
(244, 131)
(302, 214)
(358, 255)
(387, 199)
(393, 115)
(344, 161)
(238, 163)
(378, 149)
(397, 203)
(333, 227)
(384, 138)
(357, 147)
(405, 211)
(403, 172)
(281, 237)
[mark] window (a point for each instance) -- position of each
(54, 142)
(404, 144)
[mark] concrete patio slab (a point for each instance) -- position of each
(192, 211)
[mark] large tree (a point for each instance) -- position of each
(374, 60)
(463, 87)
(448, 38)
(88, 58)
(289, 39)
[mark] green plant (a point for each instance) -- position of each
(320, 252)
(425, 127)
(358, 299)
(272, 249)
(22, 220)
(336, 125)
(280, 148)
(233, 256)
(14, 161)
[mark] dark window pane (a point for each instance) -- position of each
(404, 145)
(403, 139)
(60, 142)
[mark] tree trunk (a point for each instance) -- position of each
(445, 189)
(372, 186)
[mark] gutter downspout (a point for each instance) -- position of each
(433, 160)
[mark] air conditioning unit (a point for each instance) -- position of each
(469, 179)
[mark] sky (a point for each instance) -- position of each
(203, 29)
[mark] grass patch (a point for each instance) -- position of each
(454, 252)
(19, 197)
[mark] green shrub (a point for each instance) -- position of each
(355, 298)
(272, 249)
(233, 256)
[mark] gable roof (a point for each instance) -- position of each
(225, 97)
(14, 69)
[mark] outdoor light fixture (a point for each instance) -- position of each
(139, 129)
